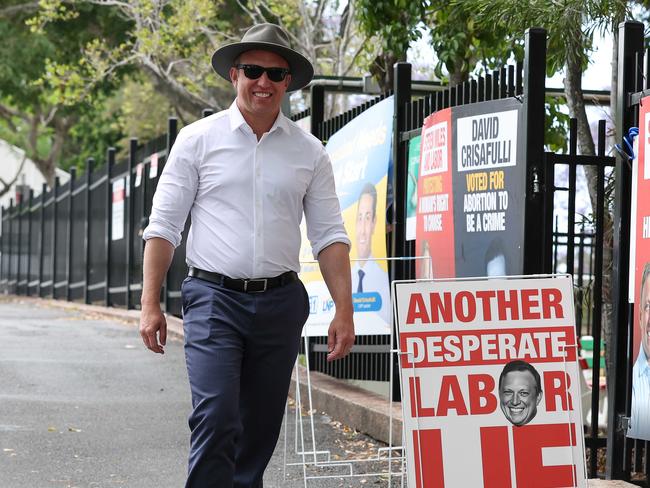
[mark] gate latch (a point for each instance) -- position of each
(623, 423)
(537, 186)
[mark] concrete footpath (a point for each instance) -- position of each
(83, 404)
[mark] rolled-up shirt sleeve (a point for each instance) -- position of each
(322, 208)
(175, 192)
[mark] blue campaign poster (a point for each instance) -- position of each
(360, 154)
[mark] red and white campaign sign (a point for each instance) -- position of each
(490, 385)
(639, 289)
(434, 234)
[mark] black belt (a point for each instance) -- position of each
(256, 285)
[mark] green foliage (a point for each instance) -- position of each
(22, 56)
(94, 132)
(81, 75)
(44, 95)
(392, 22)
(556, 124)
(460, 42)
(570, 23)
(145, 32)
(139, 110)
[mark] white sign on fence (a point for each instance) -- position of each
(117, 210)
(491, 392)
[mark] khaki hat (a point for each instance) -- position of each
(265, 37)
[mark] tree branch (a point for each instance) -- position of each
(247, 11)
(7, 185)
(177, 93)
(18, 9)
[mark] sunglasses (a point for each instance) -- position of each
(253, 72)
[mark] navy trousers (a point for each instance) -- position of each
(240, 349)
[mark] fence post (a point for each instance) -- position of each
(144, 216)
(3, 248)
(533, 133)
(19, 211)
(133, 147)
(402, 95)
(41, 246)
(402, 88)
(172, 130)
(630, 41)
(108, 224)
(89, 167)
(30, 200)
(55, 194)
(317, 109)
(68, 271)
(11, 245)
(317, 102)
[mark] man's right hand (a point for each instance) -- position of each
(158, 255)
(153, 328)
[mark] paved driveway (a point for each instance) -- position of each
(83, 404)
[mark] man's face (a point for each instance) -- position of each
(519, 397)
(365, 225)
(260, 97)
(644, 318)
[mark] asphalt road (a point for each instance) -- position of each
(83, 404)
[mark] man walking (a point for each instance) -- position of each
(246, 174)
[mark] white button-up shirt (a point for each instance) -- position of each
(246, 197)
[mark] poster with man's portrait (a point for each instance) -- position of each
(360, 154)
(639, 292)
(491, 383)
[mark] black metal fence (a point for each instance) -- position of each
(583, 250)
(61, 243)
(369, 358)
(627, 458)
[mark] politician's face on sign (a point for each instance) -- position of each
(366, 220)
(519, 395)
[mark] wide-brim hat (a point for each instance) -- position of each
(265, 37)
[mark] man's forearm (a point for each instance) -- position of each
(334, 262)
(158, 255)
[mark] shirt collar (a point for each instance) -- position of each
(237, 119)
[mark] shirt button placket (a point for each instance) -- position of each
(258, 211)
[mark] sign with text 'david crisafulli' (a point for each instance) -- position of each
(472, 180)
(490, 385)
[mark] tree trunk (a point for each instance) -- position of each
(576, 105)
(382, 70)
(458, 75)
(608, 237)
(176, 93)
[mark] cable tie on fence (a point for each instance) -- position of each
(621, 153)
(628, 140)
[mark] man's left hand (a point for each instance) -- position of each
(340, 337)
